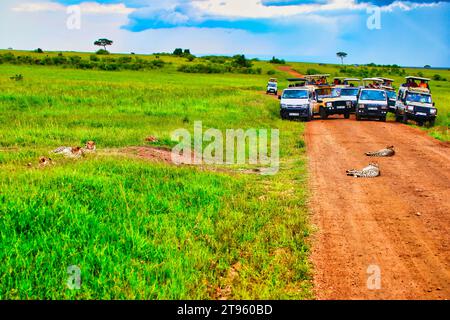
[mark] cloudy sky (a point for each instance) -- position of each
(410, 33)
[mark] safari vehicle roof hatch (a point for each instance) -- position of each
(297, 82)
(417, 78)
(419, 90)
(316, 76)
(273, 80)
(373, 79)
(296, 79)
(352, 79)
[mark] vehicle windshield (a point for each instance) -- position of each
(272, 85)
(336, 92)
(349, 92)
(391, 95)
(373, 95)
(418, 97)
(323, 93)
(295, 94)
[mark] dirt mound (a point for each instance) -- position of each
(158, 154)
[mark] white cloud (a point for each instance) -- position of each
(86, 8)
(38, 7)
(407, 6)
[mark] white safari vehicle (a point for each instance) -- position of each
(414, 102)
(297, 102)
(372, 103)
(272, 86)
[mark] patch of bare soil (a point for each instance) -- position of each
(158, 154)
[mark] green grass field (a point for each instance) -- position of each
(143, 230)
(137, 229)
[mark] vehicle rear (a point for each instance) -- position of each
(296, 103)
(372, 104)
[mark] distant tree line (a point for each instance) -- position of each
(221, 64)
(372, 71)
(74, 61)
(277, 61)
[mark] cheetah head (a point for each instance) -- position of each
(90, 145)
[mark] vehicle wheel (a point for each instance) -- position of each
(323, 113)
(405, 119)
(383, 119)
(398, 118)
(432, 122)
(358, 117)
(347, 116)
(420, 123)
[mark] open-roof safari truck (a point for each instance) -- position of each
(343, 96)
(322, 93)
(414, 102)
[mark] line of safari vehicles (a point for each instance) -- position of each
(369, 98)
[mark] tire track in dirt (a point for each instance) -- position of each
(399, 221)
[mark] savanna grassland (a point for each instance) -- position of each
(135, 228)
(144, 230)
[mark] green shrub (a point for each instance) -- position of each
(124, 59)
(313, 71)
(74, 59)
(240, 61)
(102, 52)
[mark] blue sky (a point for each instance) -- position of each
(412, 33)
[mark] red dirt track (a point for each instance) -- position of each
(399, 222)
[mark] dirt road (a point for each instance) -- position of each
(290, 71)
(399, 222)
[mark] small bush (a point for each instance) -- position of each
(39, 50)
(93, 57)
(102, 52)
(124, 59)
(313, 71)
(438, 77)
(74, 59)
(271, 72)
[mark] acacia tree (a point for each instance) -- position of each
(341, 55)
(103, 43)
